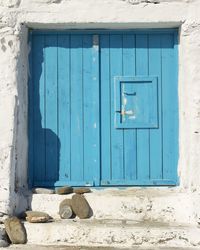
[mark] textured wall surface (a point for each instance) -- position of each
(16, 16)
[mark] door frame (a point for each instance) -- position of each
(97, 32)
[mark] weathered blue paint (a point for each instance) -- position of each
(136, 102)
(103, 108)
(130, 146)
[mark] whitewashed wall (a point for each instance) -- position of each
(16, 16)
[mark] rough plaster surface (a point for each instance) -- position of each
(112, 233)
(59, 247)
(129, 204)
(16, 16)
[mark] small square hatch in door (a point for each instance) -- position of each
(136, 102)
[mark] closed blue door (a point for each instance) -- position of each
(103, 108)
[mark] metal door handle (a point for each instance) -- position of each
(124, 112)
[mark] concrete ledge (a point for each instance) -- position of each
(54, 247)
(115, 233)
(163, 205)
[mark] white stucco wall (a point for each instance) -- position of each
(16, 16)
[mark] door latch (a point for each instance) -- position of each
(125, 112)
(126, 93)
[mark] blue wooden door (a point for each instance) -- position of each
(103, 108)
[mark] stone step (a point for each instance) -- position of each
(59, 247)
(115, 233)
(163, 204)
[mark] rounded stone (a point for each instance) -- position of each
(15, 230)
(37, 217)
(3, 237)
(65, 212)
(64, 190)
(3, 243)
(80, 206)
(82, 190)
(67, 202)
(65, 209)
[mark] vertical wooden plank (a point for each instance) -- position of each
(91, 109)
(116, 134)
(76, 108)
(64, 129)
(170, 107)
(156, 134)
(142, 134)
(51, 135)
(129, 134)
(38, 108)
(105, 108)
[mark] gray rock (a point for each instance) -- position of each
(15, 230)
(65, 209)
(82, 190)
(3, 237)
(4, 243)
(43, 191)
(66, 202)
(80, 206)
(65, 212)
(64, 190)
(37, 217)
